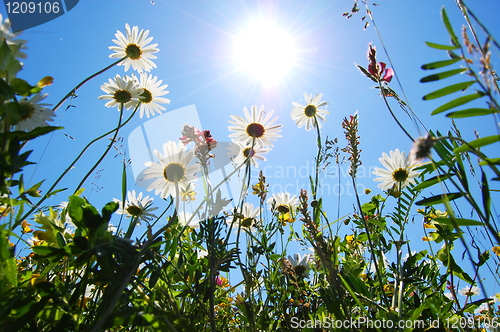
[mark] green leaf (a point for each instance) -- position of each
(75, 210)
(440, 76)
(438, 199)
(485, 190)
(457, 102)
(43, 250)
(447, 24)
(477, 143)
(5, 55)
(471, 112)
(34, 191)
(21, 87)
(9, 65)
(459, 222)
(441, 47)
(108, 210)
(432, 181)
(37, 132)
(488, 161)
(366, 73)
(13, 112)
(448, 90)
(6, 91)
(440, 64)
(153, 279)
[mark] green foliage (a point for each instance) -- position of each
(81, 273)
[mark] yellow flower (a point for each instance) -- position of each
(188, 195)
(285, 218)
(47, 80)
(4, 210)
(352, 242)
(389, 288)
(222, 282)
(429, 225)
(427, 238)
(394, 192)
(438, 214)
(496, 250)
(35, 279)
(25, 227)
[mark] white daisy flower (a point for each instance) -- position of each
(283, 203)
(122, 90)
(151, 100)
(398, 173)
(173, 170)
(305, 115)
(187, 219)
(200, 253)
(255, 128)
(239, 153)
(135, 46)
(136, 206)
(449, 296)
(89, 290)
(482, 308)
(34, 113)
(469, 291)
(112, 228)
(300, 263)
(7, 35)
(247, 217)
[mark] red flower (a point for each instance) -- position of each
(378, 69)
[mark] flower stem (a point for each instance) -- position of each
(72, 92)
(49, 191)
(113, 140)
(392, 113)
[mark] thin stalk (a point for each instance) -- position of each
(318, 158)
(113, 140)
(392, 113)
(72, 92)
(370, 242)
(49, 191)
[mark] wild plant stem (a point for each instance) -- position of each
(113, 140)
(49, 191)
(72, 92)
(392, 113)
(370, 242)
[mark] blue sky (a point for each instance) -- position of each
(196, 59)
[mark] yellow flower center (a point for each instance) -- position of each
(400, 175)
(282, 208)
(310, 111)
(247, 222)
(248, 152)
(300, 269)
(147, 96)
(133, 51)
(122, 96)
(134, 210)
(255, 130)
(174, 172)
(27, 110)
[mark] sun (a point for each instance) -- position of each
(265, 51)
